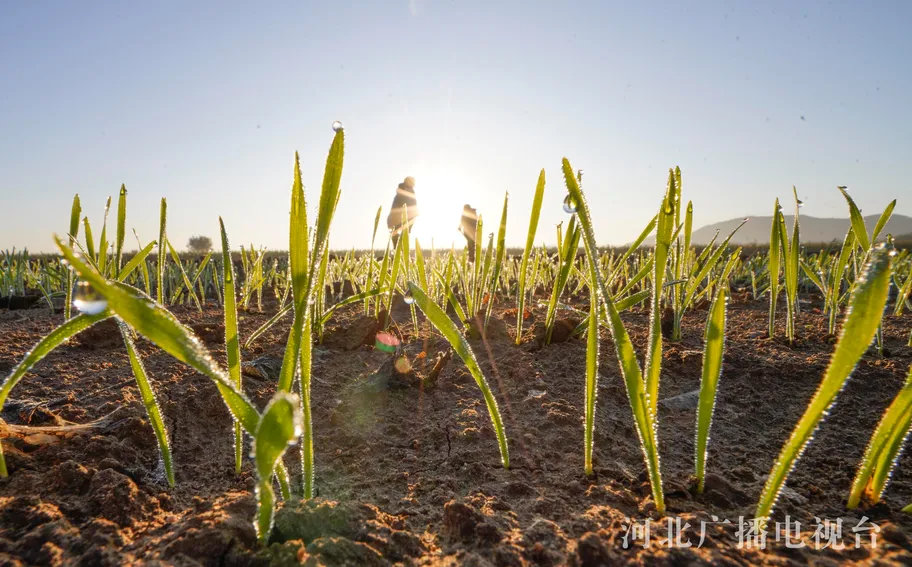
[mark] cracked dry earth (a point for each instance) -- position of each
(412, 476)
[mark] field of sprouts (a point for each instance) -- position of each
(404, 405)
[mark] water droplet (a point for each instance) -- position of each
(746, 219)
(337, 126)
(570, 204)
(87, 300)
(800, 203)
(408, 298)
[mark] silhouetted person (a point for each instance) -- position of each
(404, 203)
(468, 226)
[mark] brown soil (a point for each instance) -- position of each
(412, 475)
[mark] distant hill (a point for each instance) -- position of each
(813, 230)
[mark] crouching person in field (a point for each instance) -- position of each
(468, 226)
(404, 210)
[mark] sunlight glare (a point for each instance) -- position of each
(441, 195)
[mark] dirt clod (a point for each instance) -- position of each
(361, 330)
(591, 551)
(460, 520)
(115, 496)
(309, 520)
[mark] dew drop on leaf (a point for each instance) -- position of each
(408, 298)
(87, 299)
(570, 204)
(337, 126)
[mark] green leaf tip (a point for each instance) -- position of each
(279, 426)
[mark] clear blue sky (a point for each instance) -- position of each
(205, 104)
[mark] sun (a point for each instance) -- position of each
(440, 200)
